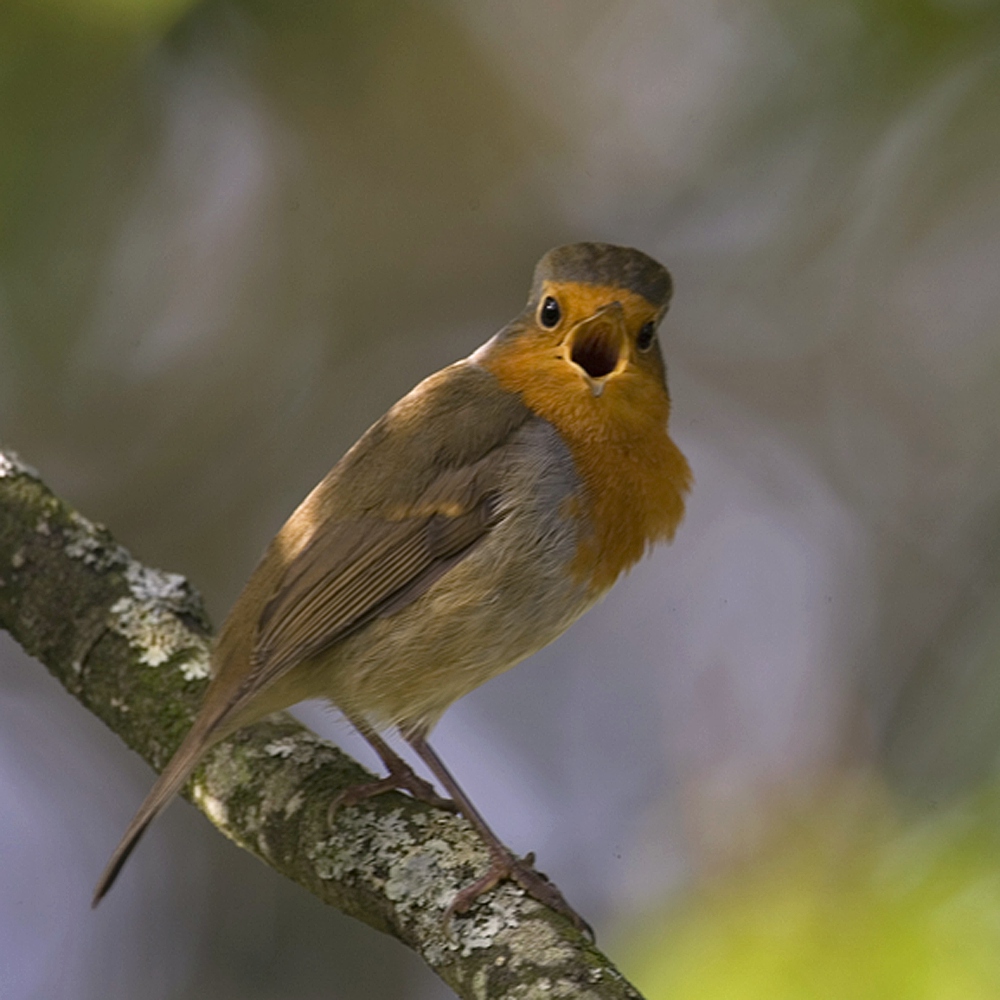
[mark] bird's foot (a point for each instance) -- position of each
(505, 865)
(401, 778)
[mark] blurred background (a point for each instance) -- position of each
(233, 233)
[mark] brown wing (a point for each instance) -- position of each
(356, 571)
(353, 571)
(414, 496)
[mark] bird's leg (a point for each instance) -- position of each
(401, 777)
(503, 863)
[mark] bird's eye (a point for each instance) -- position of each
(550, 313)
(645, 339)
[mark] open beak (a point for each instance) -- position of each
(598, 345)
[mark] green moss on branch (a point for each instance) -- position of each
(132, 644)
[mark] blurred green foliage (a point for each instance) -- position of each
(112, 16)
(63, 118)
(855, 905)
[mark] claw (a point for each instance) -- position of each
(400, 779)
(504, 865)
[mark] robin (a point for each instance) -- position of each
(465, 530)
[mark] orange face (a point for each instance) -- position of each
(601, 335)
(586, 359)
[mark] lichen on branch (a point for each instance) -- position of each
(132, 644)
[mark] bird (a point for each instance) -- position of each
(467, 528)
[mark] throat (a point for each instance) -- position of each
(634, 476)
(634, 498)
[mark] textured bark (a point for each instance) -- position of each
(131, 643)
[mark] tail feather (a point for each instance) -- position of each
(167, 785)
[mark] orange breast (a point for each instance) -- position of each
(634, 476)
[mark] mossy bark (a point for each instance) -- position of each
(131, 643)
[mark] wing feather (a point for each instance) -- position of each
(415, 495)
(352, 572)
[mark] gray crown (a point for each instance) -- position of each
(605, 264)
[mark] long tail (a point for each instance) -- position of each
(202, 735)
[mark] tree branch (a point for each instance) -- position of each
(132, 644)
